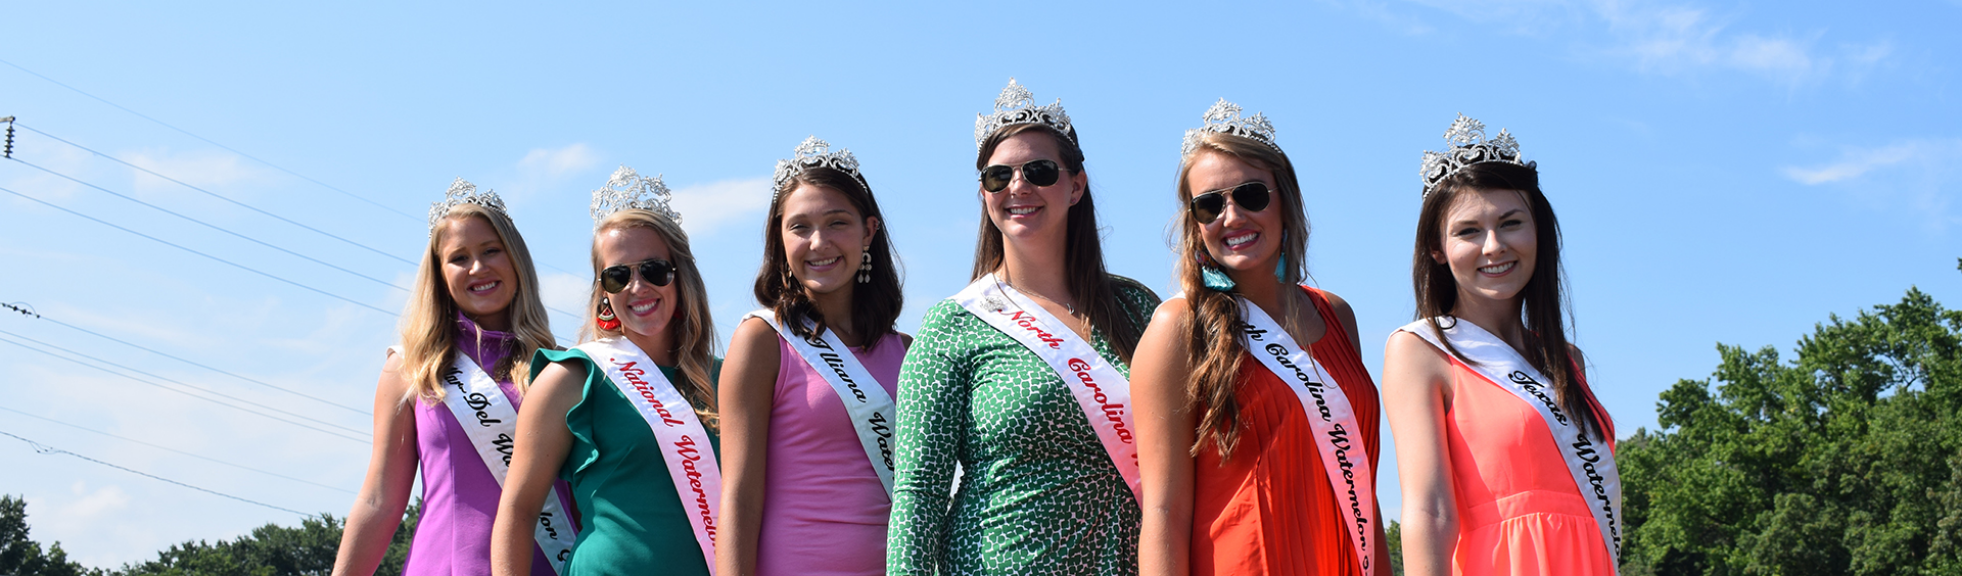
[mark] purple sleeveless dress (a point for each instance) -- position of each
(459, 496)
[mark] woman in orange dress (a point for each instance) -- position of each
(1251, 462)
(1496, 429)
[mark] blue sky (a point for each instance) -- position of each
(1724, 171)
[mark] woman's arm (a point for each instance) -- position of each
(1415, 379)
(933, 404)
(1166, 427)
(746, 396)
(536, 455)
(391, 472)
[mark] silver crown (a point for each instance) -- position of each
(815, 153)
(1016, 105)
(1224, 118)
(461, 192)
(1467, 146)
(628, 190)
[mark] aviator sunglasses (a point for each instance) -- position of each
(658, 272)
(1038, 172)
(1251, 196)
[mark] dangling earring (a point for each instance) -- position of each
(1211, 276)
(606, 320)
(1281, 267)
(865, 266)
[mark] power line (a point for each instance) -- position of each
(220, 196)
(209, 141)
(167, 448)
(40, 448)
(219, 260)
(211, 400)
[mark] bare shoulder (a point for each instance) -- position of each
(557, 381)
(905, 340)
(752, 333)
(1171, 313)
(1412, 364)
(392, 383)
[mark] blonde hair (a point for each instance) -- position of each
(694, 329)
(428, 329)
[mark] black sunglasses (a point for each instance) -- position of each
(1251, 196)
(658, 272)
(1038, 172)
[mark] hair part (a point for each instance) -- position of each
(694, 328)
(1089, 283)
(1213, 345)
(428, 330)
(875, 304)
(1543, 305)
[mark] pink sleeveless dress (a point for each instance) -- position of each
(1519, 512)
(824, 509)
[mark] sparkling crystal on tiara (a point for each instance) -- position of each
(628, 190)
(1467, 145)
(814, 153)
(461, 192)
(1224, 118)
(1016, 105)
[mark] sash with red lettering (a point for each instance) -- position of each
(866, 403)
(1101, 391)
(684, 442)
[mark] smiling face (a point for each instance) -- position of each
(477, 271)
(643, 308)
(1489, 241)
(1024, 211)
(824, 238)
(1240, 241)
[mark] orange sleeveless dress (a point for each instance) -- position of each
(1269, 508)
(1519, 512)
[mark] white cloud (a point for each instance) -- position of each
(1855, 163)
(1920, 175)
(202, 168)
(565, 292)
(558, 162)
(708, 207)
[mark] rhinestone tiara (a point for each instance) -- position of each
(815, 153)
(628, 190)
(1466, 145)
(462, 192)
(1016, 105)
(1224, 118)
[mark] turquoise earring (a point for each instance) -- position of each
(1212, 276)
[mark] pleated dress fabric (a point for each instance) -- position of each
(459, 495)
(632, 520)
(1519, 511)
(824, 508)
(1268, 507)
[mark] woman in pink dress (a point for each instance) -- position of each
(1499, 440)
(806, 391)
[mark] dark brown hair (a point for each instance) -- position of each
(875, 304)
(1544, 301)
(1083, 253)
(1213, 343)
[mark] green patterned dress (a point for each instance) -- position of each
(1038, 493)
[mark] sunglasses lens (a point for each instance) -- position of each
(995, 178)
(1206, 207)
(1253, 196)
(613, 279)
(657, 272)
(1040, 172)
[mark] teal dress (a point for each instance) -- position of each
(631, 520)
(1038, 492)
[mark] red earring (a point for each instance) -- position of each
(606, 320)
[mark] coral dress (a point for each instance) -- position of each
(1519, 512)
(1269, 508)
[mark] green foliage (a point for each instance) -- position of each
(1393, 541)
(273, 550)
(20, 556)
(1847, 460)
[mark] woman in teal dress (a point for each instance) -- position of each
(1039, 492)
(637, 513)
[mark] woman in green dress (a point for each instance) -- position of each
(636, 442)
(1020, 379)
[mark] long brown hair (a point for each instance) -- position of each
(1213, 343)
(694, 334)
(875, 304)
(1083, 253)
(1544, 297)
(428, 328)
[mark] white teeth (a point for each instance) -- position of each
(1023, 210)
(1239, 240)
(1499, 268)
(642, 308)
(826, 262)
(485, 287)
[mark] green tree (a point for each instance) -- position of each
(273, 550)
(20, 556)
(1846, 460)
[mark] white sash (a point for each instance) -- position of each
(684, 442)
(489, 421)
(1593, 469)
(869, 406)
(1101, 391)
(1336, 431)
